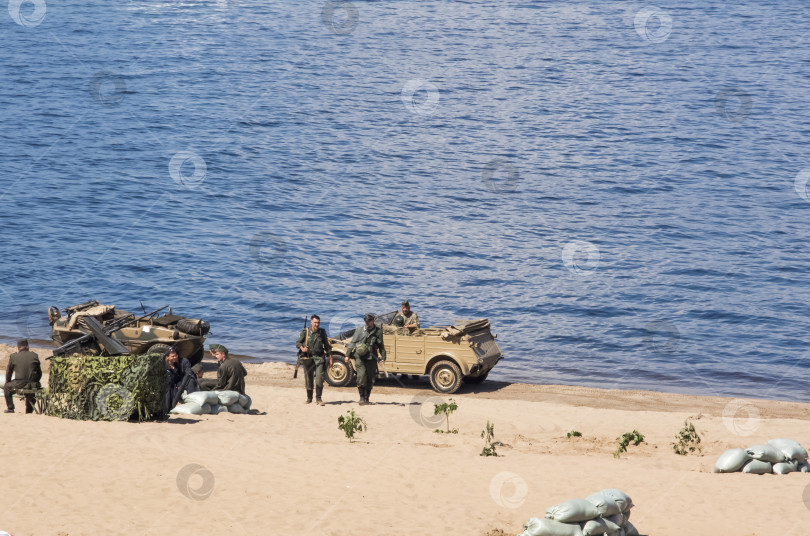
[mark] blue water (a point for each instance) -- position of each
(619, 190)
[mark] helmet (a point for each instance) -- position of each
(399, 321)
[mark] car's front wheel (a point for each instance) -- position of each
(445, 377)
(339, 374)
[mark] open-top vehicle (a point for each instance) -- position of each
(449, 355)
(95, 329)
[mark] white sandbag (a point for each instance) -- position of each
(236, 407)
(189, 408)
(548, 527)
(226, 398)
(791, 449)
(612, 526)
(245, 401)
(594, 527)
(630, 530)
(219, 408)
(757, 467)
(731, 461)
(201, 397)
(783, 468)
(766, 453)
(804, 467)
(606, 505)
(622, 499)
(206, 409)
(573, 511)
(619, 519)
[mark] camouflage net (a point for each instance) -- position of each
(107, 388)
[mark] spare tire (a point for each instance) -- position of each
(193, 327)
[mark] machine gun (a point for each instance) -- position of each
(102, 335)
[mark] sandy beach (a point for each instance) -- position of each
(286, 469)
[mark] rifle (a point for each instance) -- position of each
(108, 329)
(300, 353)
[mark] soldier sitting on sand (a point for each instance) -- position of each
(179, 378)
(27, 371)
(231, 373)
(206, 384)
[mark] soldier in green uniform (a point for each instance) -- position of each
(24, 365)
(231, 373)
(406, 318)
(313, 345)
(365, 346)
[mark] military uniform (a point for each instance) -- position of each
(27, 370)
(318, 345)
(368, 342)
(179, 378)
(231, 376)
(412, 320)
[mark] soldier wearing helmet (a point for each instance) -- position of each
(365, 346)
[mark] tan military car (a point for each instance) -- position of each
(466, 352)
(97, 329)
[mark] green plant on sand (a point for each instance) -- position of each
(573, 433)
(488, 434)
(447, 409)
(687, 439)
(633, 437)
(351, 424)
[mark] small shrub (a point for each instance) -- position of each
(573, 433)
(351, 424)
(488, 434)
(633, 437)
(447, 409)
(687, 439)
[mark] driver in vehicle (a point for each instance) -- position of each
(406, 318)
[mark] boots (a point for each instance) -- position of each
(368, 394)
(363, 399)
(309, 396)
(318, 393)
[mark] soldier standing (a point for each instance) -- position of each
(314, 346)
(364, 347)
(406, 318)
(27, 371)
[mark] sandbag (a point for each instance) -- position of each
(618, 520)
(783, 468)
(613, 527)
(606, 505)
(548, 527)
(573, 511)
(630, 530)
(804, 467)
(594, 527)
(189, 408)
(226, 398)
(236, 407)
(201, 397)
(757, 467)
(766, 453)
(622, 499)
(731, 461)
(219, 408)
(791, 449)
(206, 409)
(245, 401)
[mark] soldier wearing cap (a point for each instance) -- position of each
(365, 346)
(27, 370)
(231, 373)
(314, 344)
(406, 318)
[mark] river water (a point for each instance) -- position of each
(619, 187)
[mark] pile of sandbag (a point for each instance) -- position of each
(604, 512)
(778, 456)
(212, 402)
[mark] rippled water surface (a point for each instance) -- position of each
(619, 188)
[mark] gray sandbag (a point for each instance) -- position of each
(622, 499)
(606, 505)
(757, 467)
(245, 401)
(189, 408)
(731, 461)
(206, 409)
(766, 453)
(548, 527)
(201, 397)
(226, 398)
(218, 408)
(619, 519)
(236, 407)
(804, 467)
(594, 527)
(613, 527)
(791, 449)
(630, 530)
(783, 468)
(573, 511)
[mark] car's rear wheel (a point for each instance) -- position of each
(339, 374)
(445, 377)
(194, 327)
(475, 380)
(158, 349)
